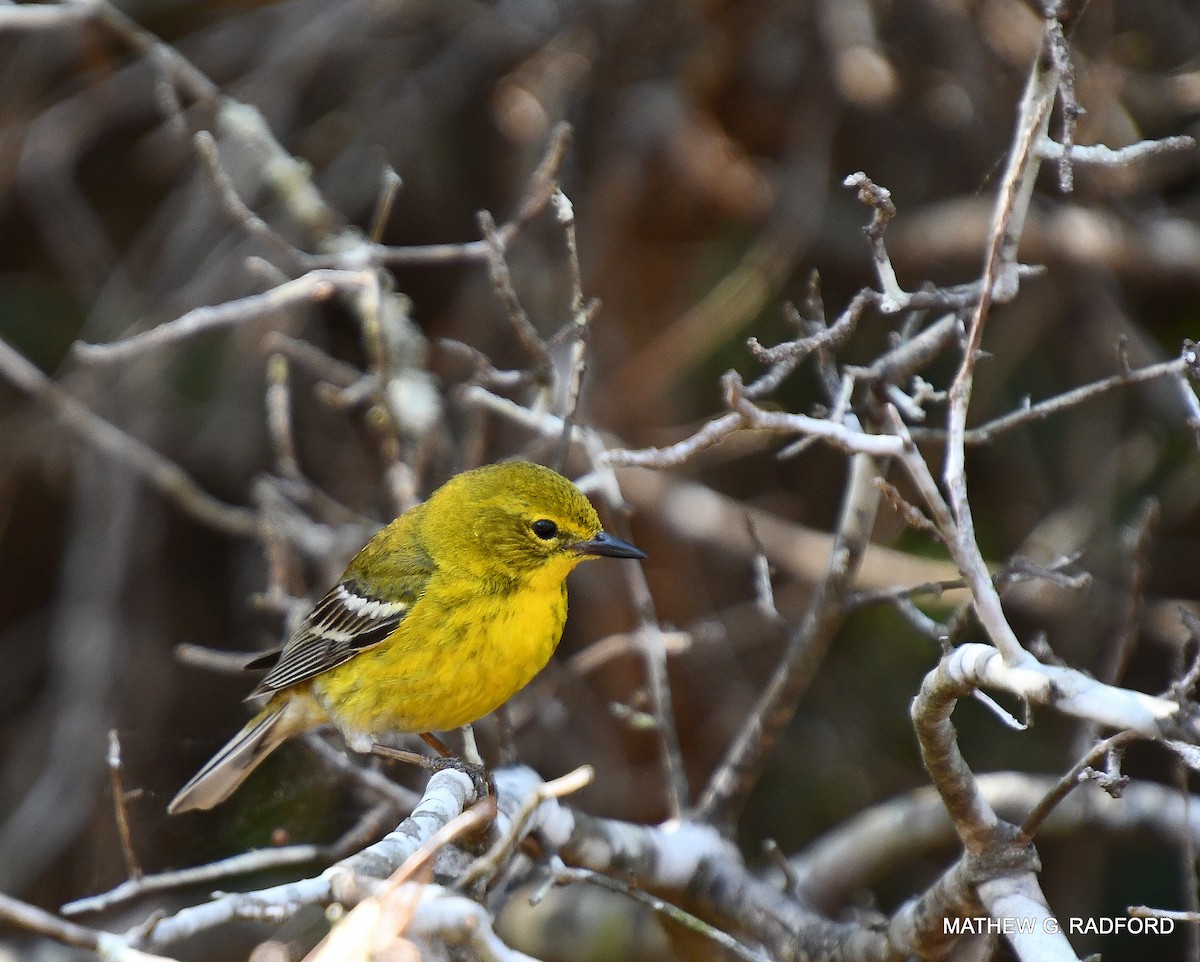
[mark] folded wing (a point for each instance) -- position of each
(346, 621)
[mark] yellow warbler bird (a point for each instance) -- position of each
(443, 616)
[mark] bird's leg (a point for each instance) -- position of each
(439, 746)
(470, 746)
(447, 760)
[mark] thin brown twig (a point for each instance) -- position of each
(518, 319)
(884, 595)
(591, 658)
(654, 659)
(483, 373)
(908, 512)
(543, 183)
(650, 634)
(1068, 783)
(351, 766)
(760, 566)
(337, 373)
(1070, 110)
(984, 433)
(1008, 221)
(538, 192)
(846, 435)
(674, 455)
(116, 781)
(389, 188)
(917, 352)
(929, 627)
(746, 415)
(282, 565)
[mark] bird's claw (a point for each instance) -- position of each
(479, 775)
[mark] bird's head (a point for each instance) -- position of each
(516, 517)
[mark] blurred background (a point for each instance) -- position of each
(710, 140)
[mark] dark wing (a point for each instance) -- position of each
(343, 623)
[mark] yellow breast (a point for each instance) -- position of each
(460, 653)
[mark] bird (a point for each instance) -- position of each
(445, 614)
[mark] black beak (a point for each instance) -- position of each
(608, 546)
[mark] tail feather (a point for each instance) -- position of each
(228, 768)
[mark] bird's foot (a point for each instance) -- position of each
(477, 773)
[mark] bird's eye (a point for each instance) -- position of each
(544, 528)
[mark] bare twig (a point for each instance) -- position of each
(279, 417)
(446, 796)
(917, 352)
(591, 658)
(310, 288)
(379, 920)
(984, 597)
(112, 948)
(1008, 220)
(1100, 155)
(120, 797)
(350, 765)
(538, 192)
(1069, 782)
(526, 333)
(1188, 881)
(664, 908)
(879, 199)
(212, 659)
(165, 57)
(729, 786)
(39, 16)
(389, 188)
(748, 416)
(581, 319)
(784, 358)
(311, 358)
(167, 476)
(368, 828)
(235, 207)
(984, 433)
